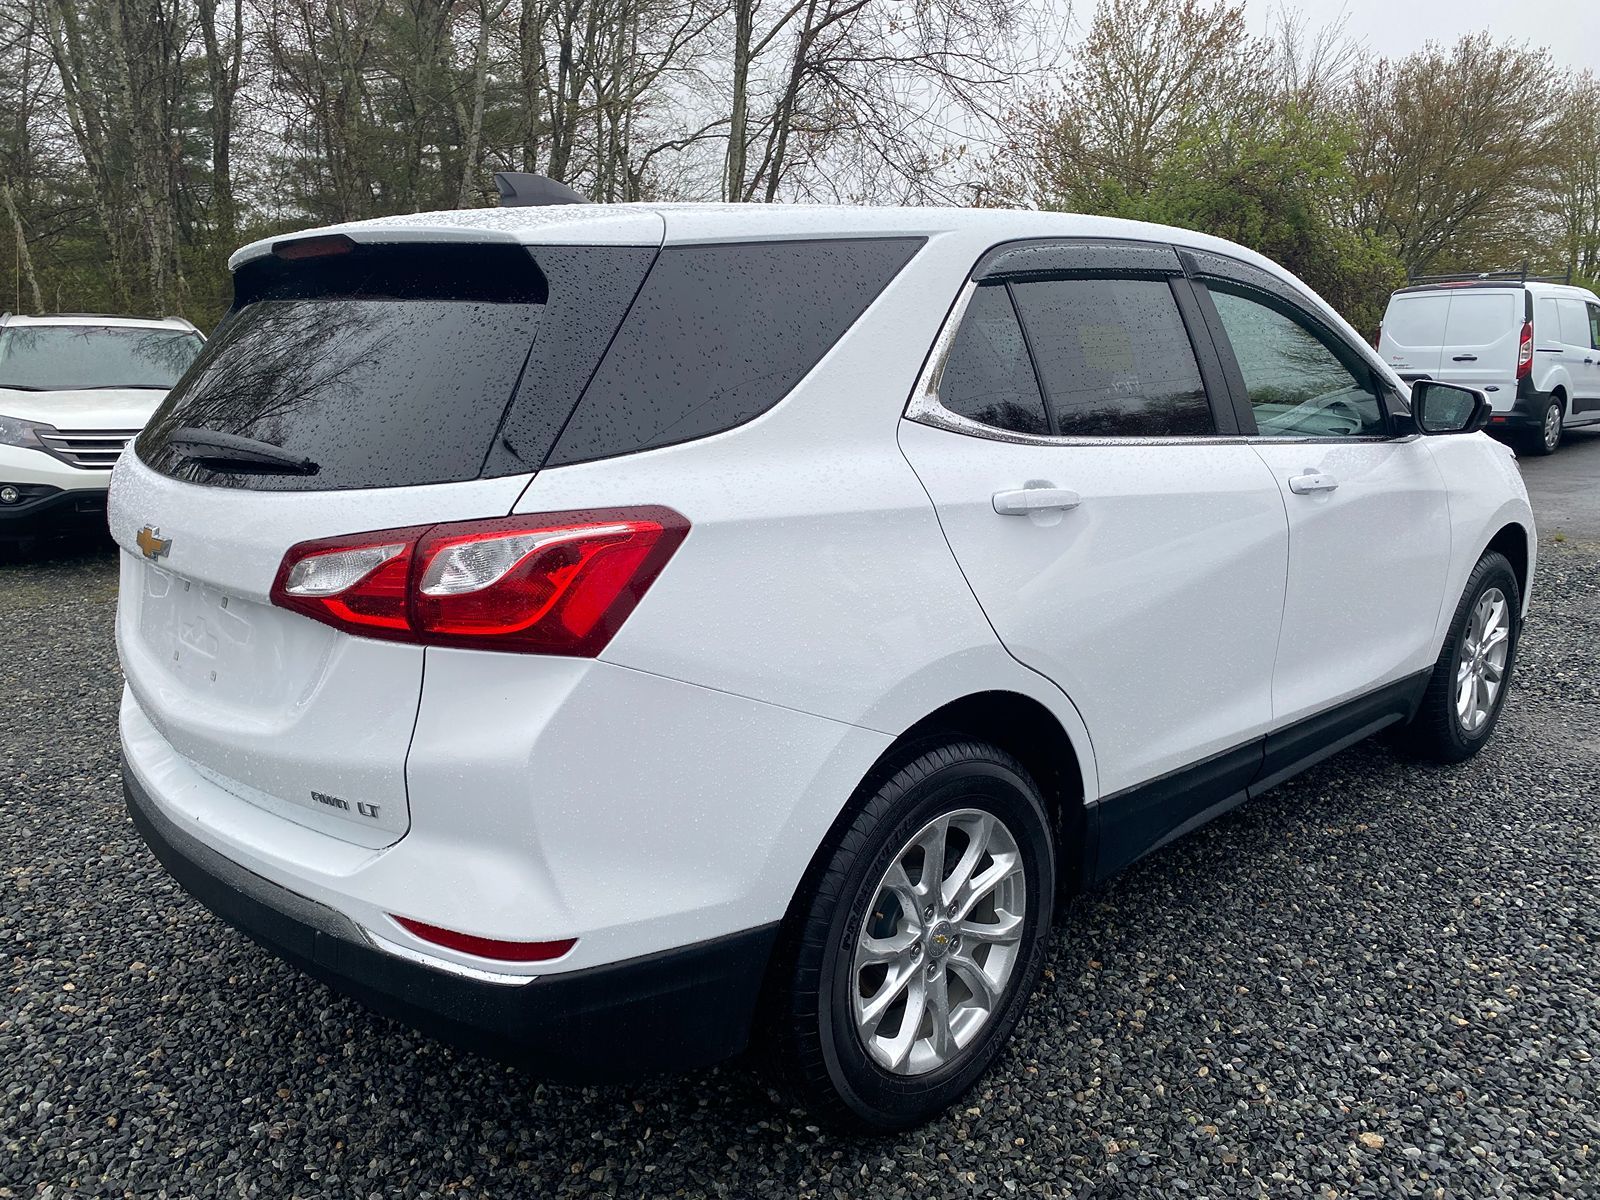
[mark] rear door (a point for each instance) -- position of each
(1121, 538)
(390, 370)
(1369, 528)
(1482, 330)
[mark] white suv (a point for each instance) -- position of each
(74, 388)
(1532, 346)
(610, 636)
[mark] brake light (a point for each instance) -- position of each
(1525, 351)
(555, 583)
(486, 947)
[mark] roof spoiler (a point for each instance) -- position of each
(1518, 274)
(524, 189)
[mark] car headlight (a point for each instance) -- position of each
(14, 431)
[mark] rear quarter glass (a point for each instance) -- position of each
(721, 333)
(393, 366)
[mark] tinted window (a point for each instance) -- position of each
(1416, 320)
(1114, 358)
(394, 365)
(1297, 385)
(83, 357)
(988, 376)
(1594, 326)
(719, 334)
(377, 393)
(1482, 318)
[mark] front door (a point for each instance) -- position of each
(1121, 538)
(1369, 527)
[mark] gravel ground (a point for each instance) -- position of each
(1379, 980)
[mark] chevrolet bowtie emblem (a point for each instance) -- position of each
(151, 544)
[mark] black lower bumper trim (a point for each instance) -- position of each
(73, 511)
(672, 1011)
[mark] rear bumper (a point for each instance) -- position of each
(1526, 411)
(671, 1011)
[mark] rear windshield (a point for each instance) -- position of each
(85, 357)
(386, 366)
(1416, 320)
(1483, 318)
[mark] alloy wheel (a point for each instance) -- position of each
(1481, 664)
(940, 942)
(1552, 426)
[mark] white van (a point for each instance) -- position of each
(1532, 345)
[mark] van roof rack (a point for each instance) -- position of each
(1518, 274)
(524, 189)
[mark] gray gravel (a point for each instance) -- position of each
(1379, 980)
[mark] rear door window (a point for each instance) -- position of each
(989, 377)
(1114, 358)
(721, 333)
(1482, 318)
(1417, 320)
(1594, 326)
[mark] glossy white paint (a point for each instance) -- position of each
(1154, 603)
(1362, 599)
(675, 789)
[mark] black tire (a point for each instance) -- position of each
(819, 1056)
(1436, 733)
(1542, 439)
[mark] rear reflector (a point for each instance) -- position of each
(554, 583)
(486, 947)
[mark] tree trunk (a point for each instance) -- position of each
(24, 259)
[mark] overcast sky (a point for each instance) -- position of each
(1569, 28)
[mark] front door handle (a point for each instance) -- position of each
(1022, 501)
(1312, 481)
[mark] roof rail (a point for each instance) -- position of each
(1518, 274)
(524, 189)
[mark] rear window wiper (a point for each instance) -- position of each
(240, 455)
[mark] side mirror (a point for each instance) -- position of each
(1448, 407)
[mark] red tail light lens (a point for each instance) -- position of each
(557, 583)
(1525, 350)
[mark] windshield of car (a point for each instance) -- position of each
(80, 357)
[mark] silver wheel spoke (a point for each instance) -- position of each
(889, 949)
(983, 990)
(942, 1039)
(899, 1047)
(1003, 931)
(870, 1012)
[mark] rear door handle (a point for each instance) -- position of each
(1312, 481)
(1465, 358)
(1022, 501)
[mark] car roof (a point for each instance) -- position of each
(102, 320)
(653, 224)
(1537, 287)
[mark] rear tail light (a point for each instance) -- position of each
(555, 583)
(486, 947)
(1525, 351)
